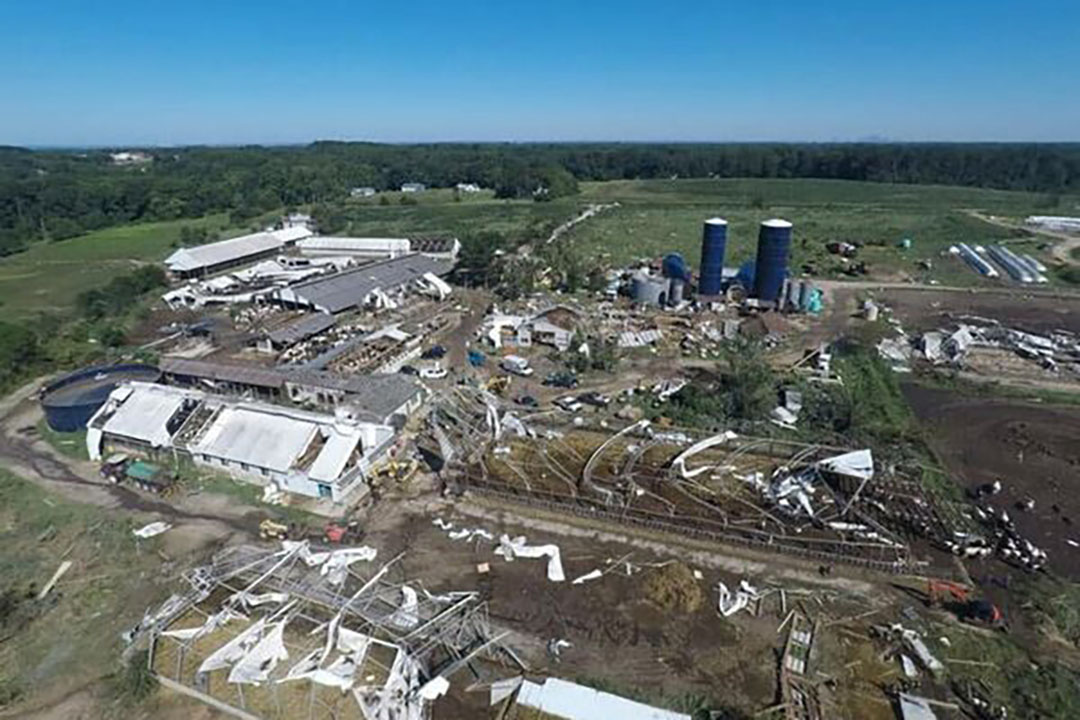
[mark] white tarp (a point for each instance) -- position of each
(257, 664)
(406, 617)
(857, 463)
(333, 564)
(730, 603)
(232, 651)
(249, 599)
(212, 623)
(592, 575)
(517, 547)
(151, 530)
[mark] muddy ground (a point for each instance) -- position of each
(1033, 449)
(922, 309)
(622, 635)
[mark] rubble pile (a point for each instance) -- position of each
(1053, 351)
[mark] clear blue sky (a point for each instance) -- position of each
(154, 72)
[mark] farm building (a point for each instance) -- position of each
(366, 247)
(442, 248)
(368, 285)
(211, 258)
(413, 187)
(388, 399)
(311, 454)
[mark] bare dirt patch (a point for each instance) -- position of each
(1033, 449)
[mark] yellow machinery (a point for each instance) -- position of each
(270, 530)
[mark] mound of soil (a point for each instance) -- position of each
(673, 588)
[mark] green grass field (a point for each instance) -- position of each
(661, 216)
(655, 216)
(54, 647)
(48, 276)
(437, 213)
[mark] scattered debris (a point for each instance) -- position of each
(151, 530)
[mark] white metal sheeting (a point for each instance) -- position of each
(144, 413)
(857, 463)
(516, 547)
(569, 700)
(257, 438)
(232, 250)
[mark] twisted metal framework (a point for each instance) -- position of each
(443, 635)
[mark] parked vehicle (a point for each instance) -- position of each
(528, 401)
(477, 358)
(435, 352)
(517, 365)
(561, 379)
(595, 399)
(436, 372)
(569, 404)
(408, 370)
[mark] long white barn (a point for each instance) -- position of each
(311, 454)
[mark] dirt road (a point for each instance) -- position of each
(28, 456)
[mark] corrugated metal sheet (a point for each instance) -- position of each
(232, 250)
(348, 289)
(218, 372)
(302, 329)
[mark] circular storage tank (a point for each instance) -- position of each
(647, 290)
(774, 245)
(73, 399)
(674, 267)
(713, 246)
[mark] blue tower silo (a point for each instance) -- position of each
(774, 244)
(713, 245)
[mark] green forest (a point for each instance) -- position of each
(58, 194)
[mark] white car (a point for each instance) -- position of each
(436, 372)
(569, 404)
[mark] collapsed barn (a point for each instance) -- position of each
(357, 644)
(825, 503)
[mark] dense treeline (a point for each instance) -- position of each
(60, 194)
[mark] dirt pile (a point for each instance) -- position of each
(673, 588)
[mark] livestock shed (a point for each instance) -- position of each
(356, 288)
(387, 399)
(362, 247)
(70, 401)
(203, 260)
(297, 331)
(317, 455)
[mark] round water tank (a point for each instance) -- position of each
(72, 400)
(674, 266)
(648, 290)
(713, 247)
(774, 245)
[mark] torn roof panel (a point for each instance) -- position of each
(334, 456)
(571, 701)
(857, 463)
